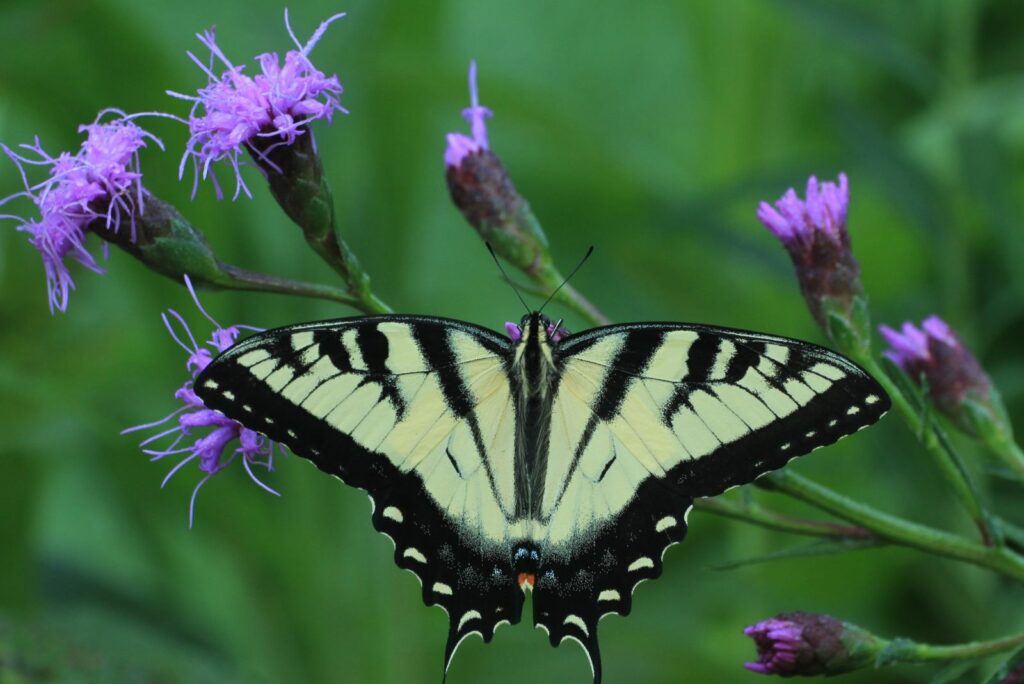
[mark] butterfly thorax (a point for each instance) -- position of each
(533, 358)
(533, 362)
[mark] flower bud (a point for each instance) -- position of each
(958, 386)
(813, 231)
(810, 644)
(482, 190)
(165, 242)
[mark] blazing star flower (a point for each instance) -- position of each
(813, 231)
(933, 354)
(810, 644)
(236, 112)
(95, 189)
(482, 190)
(460, 145)
(210, 450)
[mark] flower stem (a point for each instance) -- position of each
(939, 446)
(571, 297)
(756, 514)
(235, 278)
(543, 284)
(907, 651)
(895, 529)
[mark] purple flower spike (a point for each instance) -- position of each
(813, 231)
(201, 434)
(98, 188)
(460, 145)
(236, 112)
(810, 644)
(933, 354)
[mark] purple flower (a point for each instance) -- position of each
(514, 331)
(810, 644)
(96, 188)
(202, 435)
(934, 353)
(481, 188)
(813, 231)
(460, 145)
(236, 112)
(556, 331)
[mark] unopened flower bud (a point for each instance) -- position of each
(934, 356)
(810, 644)
(813, 231)
(482, 190)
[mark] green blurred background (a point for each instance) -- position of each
(650, 130)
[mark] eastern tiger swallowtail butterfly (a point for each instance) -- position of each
(565, 467)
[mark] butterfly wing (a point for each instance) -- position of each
(416, 411)
(648, 417)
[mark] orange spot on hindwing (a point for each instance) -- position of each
(526, 581)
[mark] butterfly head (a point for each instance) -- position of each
(533, 349)
(536, 327)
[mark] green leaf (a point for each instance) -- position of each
(818, 548)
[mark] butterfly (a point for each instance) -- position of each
(558, 464)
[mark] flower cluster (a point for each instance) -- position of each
(210, 450)
(813, 231)
(97, 188)
(236, 112)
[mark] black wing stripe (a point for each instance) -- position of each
(630, 361)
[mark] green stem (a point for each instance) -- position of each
(895, 529)
(758, 515)
(544, 285)
(571, 297)
(235, 278)
(907, 651)
(938, 445)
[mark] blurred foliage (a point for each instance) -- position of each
(650, 130)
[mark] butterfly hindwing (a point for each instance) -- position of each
(417, 412)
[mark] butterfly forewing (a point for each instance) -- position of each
(417, 412)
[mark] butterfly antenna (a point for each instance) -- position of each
(507, 279)
(569, 277)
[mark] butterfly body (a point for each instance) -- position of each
(561, 466)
